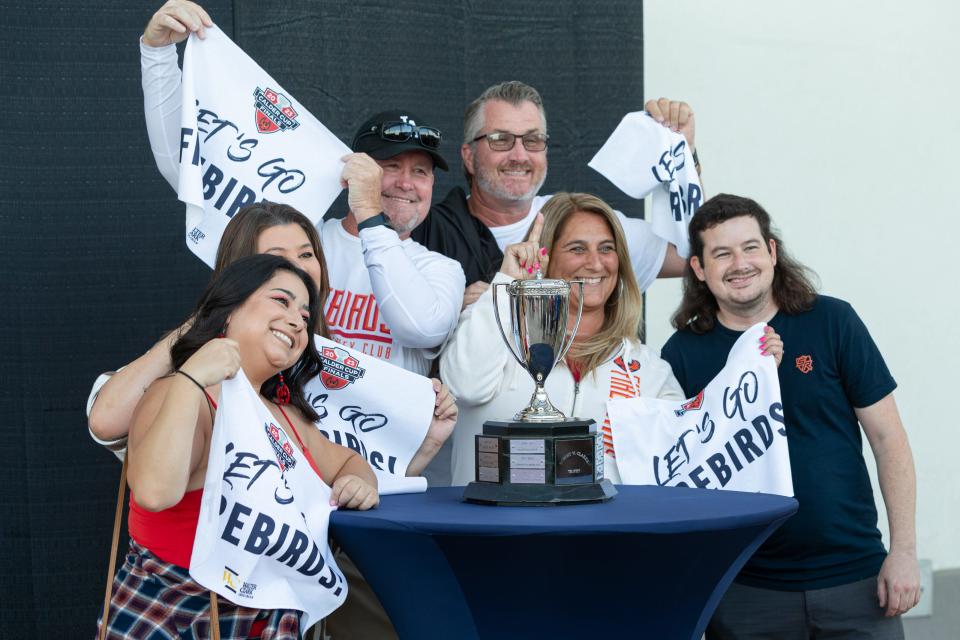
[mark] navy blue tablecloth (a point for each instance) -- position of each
(651, 563)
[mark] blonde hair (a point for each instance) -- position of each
(623, 310)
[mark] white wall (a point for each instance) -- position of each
(841, 119)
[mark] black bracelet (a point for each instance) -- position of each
(192, 379)
(696, 162)
(378, 220)
(203, 390)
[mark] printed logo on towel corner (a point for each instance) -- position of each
(339, 368)
(274, 111)
(805, 364)
(282, 446)
(690, 405)
(230, 580)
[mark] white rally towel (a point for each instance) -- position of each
(262, 534)
(730, 436)
(641, 156)
(244, 138)
(375, 408)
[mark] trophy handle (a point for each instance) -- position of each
(496, 314)
(576, 325)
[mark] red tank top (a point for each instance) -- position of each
(169, 534)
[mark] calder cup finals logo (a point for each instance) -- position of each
(281, 446)
(274, 111)
(339, 368)
(690, 405)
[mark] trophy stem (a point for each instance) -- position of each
(540, 409)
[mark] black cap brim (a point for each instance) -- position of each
(394, 149)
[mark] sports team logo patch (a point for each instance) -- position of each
(274, 111)
(690, 405)
(805, 364)
(282, 446)
(633, 366)
(339, 368)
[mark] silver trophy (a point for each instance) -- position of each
(539, 313)
(541, 456)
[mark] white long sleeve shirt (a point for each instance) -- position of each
(391, 298)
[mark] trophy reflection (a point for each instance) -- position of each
(540, 456)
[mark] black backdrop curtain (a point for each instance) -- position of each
(93, 258)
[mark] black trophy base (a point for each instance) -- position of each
(539, 464)
(532, 495)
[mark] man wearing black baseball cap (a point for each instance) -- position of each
(389, 296)
(407, 153)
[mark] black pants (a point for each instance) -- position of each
(849, 611)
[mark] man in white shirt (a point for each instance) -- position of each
(390, 297)
(504, 155)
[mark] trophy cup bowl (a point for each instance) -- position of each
(538, 325)
(541, 457)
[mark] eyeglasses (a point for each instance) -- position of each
(427, 137)
(504, 141)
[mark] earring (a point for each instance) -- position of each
(282, 392)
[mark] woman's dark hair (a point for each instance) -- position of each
(227, 291)
(793, 288)
(240, 237)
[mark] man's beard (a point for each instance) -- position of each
(491, 187)
(407, 227)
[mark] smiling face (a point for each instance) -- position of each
(737, 266)
(407, 189)
(514, 175)
(290, 241)
(271, 325)
(586, 249)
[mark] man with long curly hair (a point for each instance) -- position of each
(825, 572)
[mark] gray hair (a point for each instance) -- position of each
(513, 92)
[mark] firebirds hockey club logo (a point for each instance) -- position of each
(690, 405)
(282, 446)
(632, 366)
(339, 368)
(274, 112)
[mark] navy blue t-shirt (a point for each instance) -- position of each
(830, 365)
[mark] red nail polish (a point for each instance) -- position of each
(543, 251)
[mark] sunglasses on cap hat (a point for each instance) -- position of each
(426, 137)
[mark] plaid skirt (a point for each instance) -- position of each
(157, 600)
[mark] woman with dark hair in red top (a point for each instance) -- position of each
(256, 315)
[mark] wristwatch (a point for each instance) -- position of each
(375, 221)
